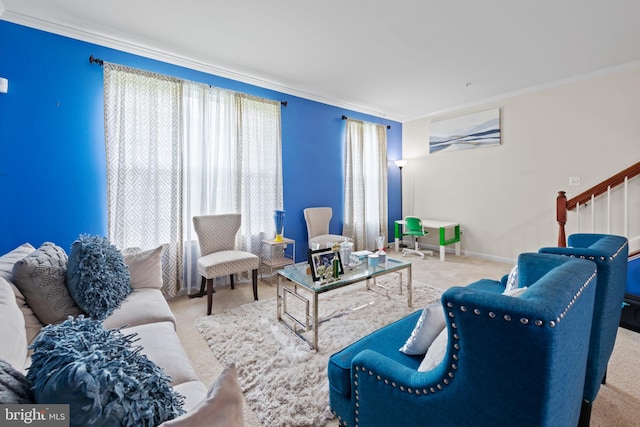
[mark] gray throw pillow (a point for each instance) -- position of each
(41, 277)
(145, 267)
(14, 386)
(221, 407)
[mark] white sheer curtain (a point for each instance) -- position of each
(143, 138)
(234, 164)
(365, 196)
(177, 149)
(259, 178)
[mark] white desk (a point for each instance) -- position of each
(441, 226)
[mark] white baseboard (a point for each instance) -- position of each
(451, 250)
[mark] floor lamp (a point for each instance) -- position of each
(400, 164)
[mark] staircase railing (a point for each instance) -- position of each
(563, 205)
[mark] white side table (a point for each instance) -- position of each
(279, 260)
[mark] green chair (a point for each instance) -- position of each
(413, 227)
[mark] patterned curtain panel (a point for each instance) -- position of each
(365, 195)
(143, 137)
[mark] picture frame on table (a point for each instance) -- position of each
(322, 259)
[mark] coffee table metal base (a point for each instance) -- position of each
(310, 320)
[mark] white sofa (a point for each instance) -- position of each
(144, 312)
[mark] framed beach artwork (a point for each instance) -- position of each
(474, 130)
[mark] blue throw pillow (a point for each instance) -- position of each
(97, 276)
(104, 379)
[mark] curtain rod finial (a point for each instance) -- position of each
(95, 60)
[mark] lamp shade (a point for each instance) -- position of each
(400, 163)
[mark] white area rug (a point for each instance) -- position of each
(284, 381)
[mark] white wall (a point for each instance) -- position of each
(504, 196)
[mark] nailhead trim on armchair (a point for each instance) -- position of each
(450, 375)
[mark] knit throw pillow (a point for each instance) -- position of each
(97, 277)
(41, 277)
(101, 375)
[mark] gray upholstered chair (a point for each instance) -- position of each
(218, 254)
(317, 220)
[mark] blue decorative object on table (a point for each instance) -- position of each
(278, 217)
(101, 375)
(97, 276)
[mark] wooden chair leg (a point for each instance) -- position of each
(209, 295)
(254, 278)
(231, 277)
(201, 293)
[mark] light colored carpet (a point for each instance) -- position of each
(283, 380)
(618, 402)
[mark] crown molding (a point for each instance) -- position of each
(550, 85)
(154, 52)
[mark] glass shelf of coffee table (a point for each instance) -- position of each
(293, 279)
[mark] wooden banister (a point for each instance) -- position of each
(601, 188)
(563, 205)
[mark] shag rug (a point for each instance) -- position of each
(283, 380)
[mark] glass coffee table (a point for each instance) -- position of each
(293, 279)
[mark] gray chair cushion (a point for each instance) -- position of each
(224, 263)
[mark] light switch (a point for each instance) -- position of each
(574, 181)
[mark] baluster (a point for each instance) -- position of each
(626, 206)
(609, 209)
(593, 213)
(578, 216)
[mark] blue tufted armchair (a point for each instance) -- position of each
(610, 255)
(509, 361)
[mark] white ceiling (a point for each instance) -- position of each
(401, 60)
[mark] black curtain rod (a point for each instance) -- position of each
(100, 62)
(94, 60)
(345, 118)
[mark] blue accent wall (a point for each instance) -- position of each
(52, 157)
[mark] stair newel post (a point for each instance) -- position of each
(561, 217)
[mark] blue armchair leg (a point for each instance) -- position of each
(585, 414)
